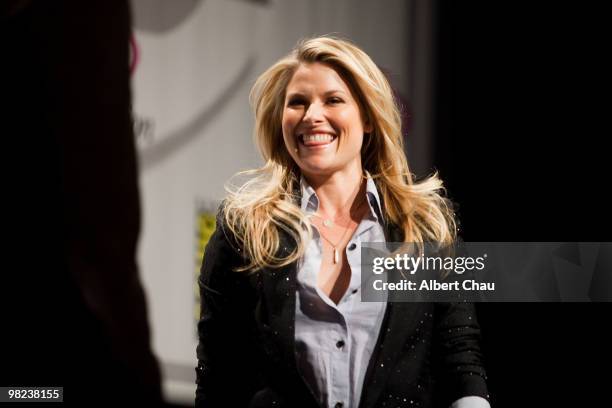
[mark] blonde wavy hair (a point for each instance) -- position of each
(258, 209)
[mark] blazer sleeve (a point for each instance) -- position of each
(460, 366)
(227, 374)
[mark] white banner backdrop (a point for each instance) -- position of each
(195, 64)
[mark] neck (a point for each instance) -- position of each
(338, 192)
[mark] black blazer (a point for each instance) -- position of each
(427, 354)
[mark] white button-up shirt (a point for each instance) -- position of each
(334, 343)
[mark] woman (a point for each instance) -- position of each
(282, 321)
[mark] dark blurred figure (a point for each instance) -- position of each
(74, 311)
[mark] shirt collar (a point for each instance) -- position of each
(310, 202)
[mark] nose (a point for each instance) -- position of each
(314, 113)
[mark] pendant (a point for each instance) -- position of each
(327, 223)
(335, 255)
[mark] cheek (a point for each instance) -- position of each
(351, 121)
(352, 129)
(289, 143)
(288, 124)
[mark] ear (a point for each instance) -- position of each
(367, 127)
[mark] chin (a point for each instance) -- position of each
(319, 169)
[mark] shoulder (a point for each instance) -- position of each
(224, 234)
(223, 251)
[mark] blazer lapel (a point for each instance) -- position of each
(400, 320)
(279, 291)
(279, 287)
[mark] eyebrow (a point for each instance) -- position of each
(328, 93)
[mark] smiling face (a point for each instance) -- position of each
(322, 124)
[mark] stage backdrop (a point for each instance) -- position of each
(193, 65)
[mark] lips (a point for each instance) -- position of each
(316, 139)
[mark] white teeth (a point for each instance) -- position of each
(318, 137)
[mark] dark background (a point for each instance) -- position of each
(520, 141)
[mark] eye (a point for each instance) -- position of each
(334, 100)
(296, 102)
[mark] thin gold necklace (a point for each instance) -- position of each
(334, 246)
(329, 222)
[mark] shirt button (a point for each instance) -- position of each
(340, 344)
(338, 405)
(352, 246)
